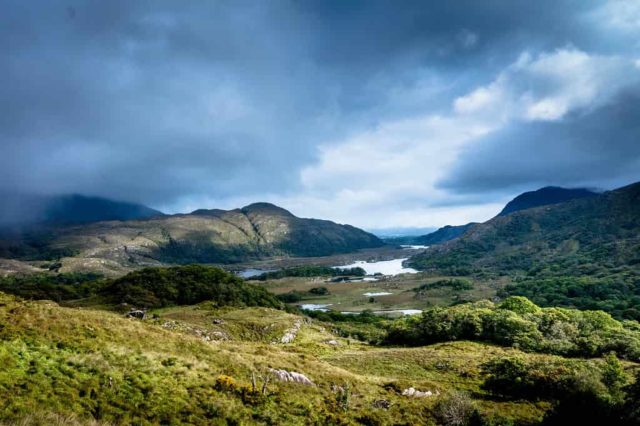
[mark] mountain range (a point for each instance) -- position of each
(253, 232)
(587, 235)
(542, 197)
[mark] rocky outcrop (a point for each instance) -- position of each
(290, 335)
(291, 376)
(414, 393)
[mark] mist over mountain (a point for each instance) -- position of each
(20, 210)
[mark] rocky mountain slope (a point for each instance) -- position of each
(205, 236)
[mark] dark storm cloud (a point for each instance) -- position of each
(152, 101)
(589, 149)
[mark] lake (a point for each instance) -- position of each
(251, 272)
(384, 267)
(315, 307)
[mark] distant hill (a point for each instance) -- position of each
(594, 235)
(544, 196)
(446, 233)
(256, 231)
(68, 209)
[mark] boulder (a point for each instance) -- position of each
(291, 376)
(137, 313)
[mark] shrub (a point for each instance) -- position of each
(457, 284)
(319, 291)
(56, 287)
(310, 271)
(518, 322)
(456, 409)
(186, 285)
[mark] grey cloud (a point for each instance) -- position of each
(152, 101)
(593, 148)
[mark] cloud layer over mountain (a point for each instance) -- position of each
(375, 113)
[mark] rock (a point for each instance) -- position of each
(137, 313)
(291, 376)
(220, 335)
(290, 335)
(332, 342)
(381, 403)
(412, 392)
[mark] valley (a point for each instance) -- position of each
(112, 333)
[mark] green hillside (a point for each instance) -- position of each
(543, 197)
(204, 364)
(585, 250)
(145, 288)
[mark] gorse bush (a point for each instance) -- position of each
(519, 323)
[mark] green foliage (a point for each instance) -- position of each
(291, 297)
(149, 287)
(620, 296)
(519, 323)
(457, 284)
(33, 245)
(367, 316)
(582, 393)
(561, 380)
(631, 406)
(456, 409)
(590, 237)
(297, 296)
(519, 305)
(186, 285)
(310, 271)
(319, 291)
(56, 287)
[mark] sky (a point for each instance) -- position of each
(381, 114)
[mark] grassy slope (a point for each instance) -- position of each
(96, 364)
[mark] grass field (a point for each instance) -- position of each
(351, 296)
(82, 366)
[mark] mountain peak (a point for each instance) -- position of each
(545, 196)
(265, 208)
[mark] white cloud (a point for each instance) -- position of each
(550, 86)
(388, 176)
(619, 14)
